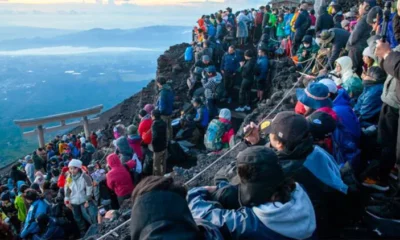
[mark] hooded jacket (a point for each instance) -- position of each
(338, 44)
(271, 221)
(79, 189)
(134, 142)
(391, 92)
(324, 20)
(262, 66)
(118, 178)
(242, 30)
(31, 227)
(165, 102)
(351, 82)
(159, 138)
(249, 69)
(165, 215)
(210, 85)
(230, 63)
(202, 116)
(342, 107)
(53, 231)
(360, 34)
(144, 129)
(124, 149)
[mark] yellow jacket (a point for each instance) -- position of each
(294, 18)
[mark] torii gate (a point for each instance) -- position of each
(39, 122)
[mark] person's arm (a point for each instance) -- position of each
(357, 32)
(335, 52)
(89, 187)
(318, 24)
(391, 64)
(240, 223)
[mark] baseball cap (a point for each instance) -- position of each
(321, 124)
(287, 125)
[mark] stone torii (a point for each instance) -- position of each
(39, 122)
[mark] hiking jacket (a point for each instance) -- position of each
(210, 85)
(74, 151)
(38, 162)
(350, 81)
(189, 54)
(202, 116)
(338, 44)
(270, 221)
(124, 149)
(31, 227)
(287, 19)
(226, 137)
(30, 172)
(221, 31)
(230, 63)
(360, 34)
(135, 143)
(280, 29)
(78, 191)
(369, 103)
(118, 178)
(165, 215)
(337, 19)
(144, 129)
(392, 66)
(249, 69)
(262, 66)
(200, 65)
(165, 102)
(53, 231)
(242, 29)
(19, 204)
(211, 31)
(343, 109)
(266, 19)
(312, 49)
(301, 25)
(159, 138)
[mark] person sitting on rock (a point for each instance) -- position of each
(160, 211)
(219, 132)
(202, 116)
(306, 50)
(265, 198)
(351, 82)
(315, 98)
(197, 73)
(212, 83)
(322, 125)
(48, 228)
(145, 127)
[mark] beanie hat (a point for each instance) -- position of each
(148, 108)
(206, 58)
(367, 52)
(374, 14)
(132, 130)
(5, 196)
(144, 112)
(28, 158)
(156, 113)
(330, 84)
(75, 163)
(225, 114)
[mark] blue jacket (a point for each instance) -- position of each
(391, 37)
(230, 63)
(31, 227)
(369, 103)
(287, 19)
(270, 221)
(211, 31)
(221, 30)
(189, 54)
(165, 102)
(53, 231)
(262, 66)
(202, 116)
(74, 151)
(342, 107)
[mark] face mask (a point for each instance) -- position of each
(306, 45)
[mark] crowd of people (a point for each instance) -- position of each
(304, 174)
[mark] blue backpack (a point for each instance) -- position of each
(212, 138)
(189, 54)
(345, 149)
(211, 30)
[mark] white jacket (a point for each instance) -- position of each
(80, 190)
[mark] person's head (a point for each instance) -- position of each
(293, 9)
(268, 8)
(368, 57)
(248, 54)
(375, 74)
(119, 131)
(219, 20)
(211, 71)
(261, 177)
(345, 25)
(336, 8)
(280, 18)
(196, 102)
(343, 65)
(156, 114)
(28, 159)
(143, 113)
(286, 130)
(303, 6)
(331, 85)
(225, 114)
(75, 166)
(231, 49)
(315, 96)
(55, 172)
(42, 221)
(312, 11)
(46, 185)
(262, 52)
(31, 195)
(158, 183)
(5, 197)
(327, 36)
(132, 130)
(161, 81)
(205, 59)
(374, 16)
(321, 126)
(23, 188)
(307, 41)
(366, 6)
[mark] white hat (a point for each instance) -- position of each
(367, 52)
(28, 157)
(225, 114)
(75, 163)
(330, 84)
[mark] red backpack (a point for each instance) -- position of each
(259, 18)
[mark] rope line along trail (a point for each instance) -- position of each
(227, 152)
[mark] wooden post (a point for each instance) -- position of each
(40, 133)
(86, 127)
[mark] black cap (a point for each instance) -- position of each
(321, 124)
(156, 113)
(287, 125)
(142, 113)
(258, 155)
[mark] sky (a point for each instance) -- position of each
(138, 2)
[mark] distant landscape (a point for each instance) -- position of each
(49, 75)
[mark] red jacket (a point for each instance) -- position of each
(226, 138)
(118, 178)
(145, 130)
(93, 139)
(61, 179)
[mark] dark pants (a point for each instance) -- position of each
(355, 53)
(388, 138)
(245, 91)
(229, 82)
(212, 108)
(84, 215)
(257, 34)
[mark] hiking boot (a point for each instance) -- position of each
(375, 184)
(394, 173)
(389, 211)
(239, 109)
(247, 108)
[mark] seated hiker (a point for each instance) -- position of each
(219, 132)
(188, 135)
(160, 211)
(124, 149)
(315, 98)
(202, 118)
(322, 125)
(135, 141)
(306, 51)
(269, 201)
(369, 60)
(145, 127)
(369, 104)
(349, 80)
(48, 228)
(212, 84)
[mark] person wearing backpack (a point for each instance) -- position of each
(212, 85)
(79, 196)
(37, 206)
(219, 132)
(118, 178)
(202, 116)
(48, 228)
(145, 127)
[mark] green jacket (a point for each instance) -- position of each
(272, 20)
(21, 208)
(280, 30)
(265, 22)
(312, 49)
(353, 87)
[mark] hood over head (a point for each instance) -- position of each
(162, 215)
(123, 146)
(113, 161)
(346, 67)
(342, 98)
(294, 219)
